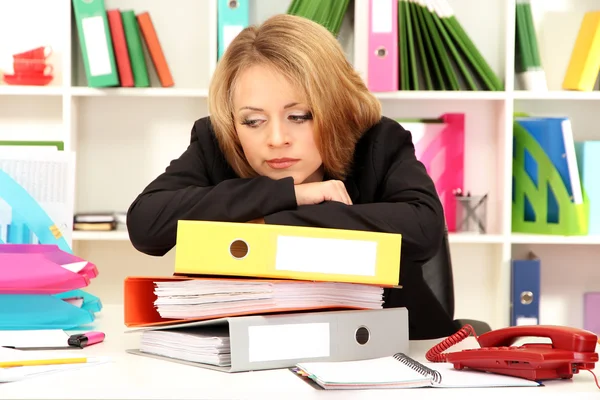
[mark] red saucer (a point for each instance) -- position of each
(32, 80)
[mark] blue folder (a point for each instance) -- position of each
(232, 17)
(525, 291)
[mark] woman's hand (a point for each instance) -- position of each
(318, 192)
(257, 221)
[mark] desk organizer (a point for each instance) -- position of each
(543, 191)
(440, 146)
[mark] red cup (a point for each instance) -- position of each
(38, 53)
(32, 66)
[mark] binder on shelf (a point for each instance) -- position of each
(383, 46)
(96, 43)
(591, 316)
(588, 161)
(525, 291)
(287, 252)
(280, 341)
(232, 18)
(117, 33)
(547, 197)
(135, 48)
(584, 64)
(145, 304)
(440, 146)
(155, 49)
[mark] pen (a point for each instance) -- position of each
(55, 361)
(85, 339)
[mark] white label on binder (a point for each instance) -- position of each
(229, 33)
(288, 342)
(381, 16)
(96, 46)
(327, 256)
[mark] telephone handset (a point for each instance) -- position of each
(570, 351)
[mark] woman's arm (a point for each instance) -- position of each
(184, 191)
(408, 203)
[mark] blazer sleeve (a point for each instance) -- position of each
(184, 192)
(408, 203)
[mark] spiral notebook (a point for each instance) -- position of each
(400, 371)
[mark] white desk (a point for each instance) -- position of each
(135, 377)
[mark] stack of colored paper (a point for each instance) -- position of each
(40, 288)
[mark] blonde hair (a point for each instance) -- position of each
(312, 59)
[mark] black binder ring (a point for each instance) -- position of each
(432, 374)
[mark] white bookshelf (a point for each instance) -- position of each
(125, 137)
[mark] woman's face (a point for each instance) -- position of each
(274, 127)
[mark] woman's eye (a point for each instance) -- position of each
(301, 118)
(252, 123)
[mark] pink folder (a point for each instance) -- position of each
(382, 75)
(42, 269)
(441, 150)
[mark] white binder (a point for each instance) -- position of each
(283, 340)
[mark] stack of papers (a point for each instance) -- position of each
(200, 345)
(202, 298)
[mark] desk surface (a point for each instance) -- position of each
(134, 377)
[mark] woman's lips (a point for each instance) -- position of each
(282, 163)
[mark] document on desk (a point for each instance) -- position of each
(32, 363)
(34, 339)
(400, 371)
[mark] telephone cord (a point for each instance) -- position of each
(435, 354)
(595, 378)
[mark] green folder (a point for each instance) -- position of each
(133, 38)
(36, 143)
(92, 27)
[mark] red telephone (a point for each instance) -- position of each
(571, 350)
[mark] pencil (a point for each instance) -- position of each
(29, 363)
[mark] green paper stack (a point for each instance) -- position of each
(436, 53)
(528, 66)
(328, 13)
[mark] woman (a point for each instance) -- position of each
(295, 138)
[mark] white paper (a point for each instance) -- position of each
(327, 256)
(34, 338)
(96, 45)
(288, 342)
(382, 16)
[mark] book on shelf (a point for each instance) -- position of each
(584, 63)
(114, 43)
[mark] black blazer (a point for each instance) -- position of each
(390, 190)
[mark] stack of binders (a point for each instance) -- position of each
(254, 296)
(40, 288)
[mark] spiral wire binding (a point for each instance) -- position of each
(413, 364)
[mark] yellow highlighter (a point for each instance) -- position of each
(54, 361)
